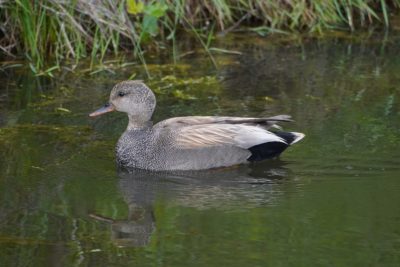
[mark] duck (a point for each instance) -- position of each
(191, 142)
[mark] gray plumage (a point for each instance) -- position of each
(190, 143)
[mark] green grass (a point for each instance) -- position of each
(49, 32)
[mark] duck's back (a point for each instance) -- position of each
(200, 146)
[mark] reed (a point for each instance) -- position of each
(58, 30)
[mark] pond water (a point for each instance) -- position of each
(331, 200)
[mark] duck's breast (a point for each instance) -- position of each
(134, 148)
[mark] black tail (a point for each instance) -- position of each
(266, 151)
(273, 149)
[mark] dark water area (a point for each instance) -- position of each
(331, 200)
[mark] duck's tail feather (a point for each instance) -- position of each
(290, 137)
(270, 150)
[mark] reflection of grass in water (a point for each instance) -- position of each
(40, 146)
(41, 183)
(93, 29)
(361, 127)
(68, 135)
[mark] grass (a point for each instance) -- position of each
(55, 31)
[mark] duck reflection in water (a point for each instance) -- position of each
(222, 189)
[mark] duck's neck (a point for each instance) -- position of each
(136, 123)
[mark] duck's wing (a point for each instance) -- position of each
(179, 122)
(222, 135)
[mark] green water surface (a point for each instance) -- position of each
(331, 200)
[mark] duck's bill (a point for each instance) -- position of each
(104, 109)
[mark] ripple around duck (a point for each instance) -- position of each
(250, 185)
(366, 166)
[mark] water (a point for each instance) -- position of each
(331, 200)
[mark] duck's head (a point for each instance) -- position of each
(132, 97)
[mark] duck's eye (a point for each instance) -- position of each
(121, 94)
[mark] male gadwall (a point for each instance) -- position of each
(190, 143)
